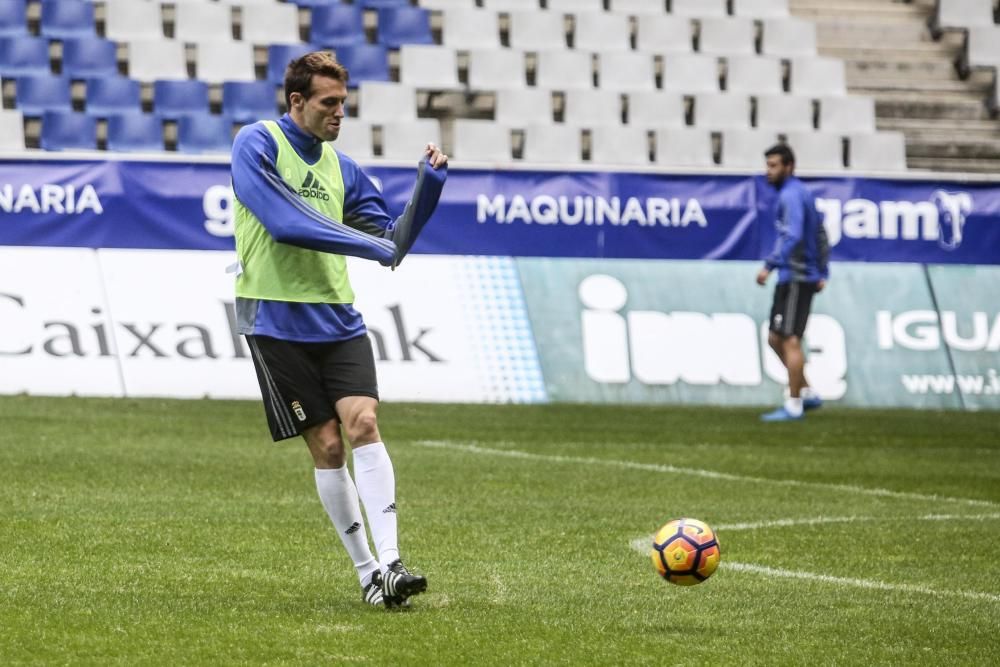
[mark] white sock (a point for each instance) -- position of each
(377, 488)
(793, 406)
(340, 499)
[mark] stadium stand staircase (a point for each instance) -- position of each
(891, 55)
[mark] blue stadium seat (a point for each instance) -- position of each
(67, 18)
(112, 95)
(86, 57)
(337, 25)
(316, 3)
(204, 134)
(249, 101)
(364, 62)
(135, 132)
(68, 130)
(13, 18)
(174, 99)
(382, 4)
(38, 94)
(21, 56)
(278, 57)
(404, 25)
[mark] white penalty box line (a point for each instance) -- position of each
(697, 472)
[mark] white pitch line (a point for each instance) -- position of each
(697, 472)
(820, 520)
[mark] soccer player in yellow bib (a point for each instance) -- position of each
(300, 207)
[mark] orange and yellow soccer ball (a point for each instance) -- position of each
(685, 551)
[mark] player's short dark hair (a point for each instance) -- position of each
(782, 151)
(299, 73)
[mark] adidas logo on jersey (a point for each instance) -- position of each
(311, 187)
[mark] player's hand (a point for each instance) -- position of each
(762, 276)
(820, 285)
(435, 157)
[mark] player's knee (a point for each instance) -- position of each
(330, 453)
(363, 427)
(775, 341)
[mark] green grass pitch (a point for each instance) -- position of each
(152, 532)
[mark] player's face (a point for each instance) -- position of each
(777, 171)
(320, 114)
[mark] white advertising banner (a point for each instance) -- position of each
(56, 336)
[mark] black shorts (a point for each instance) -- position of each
(301, 382)
(790, 310)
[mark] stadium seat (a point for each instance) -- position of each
(756, 75)
(216, 62)
(878, 151)
(982, 47)
(471, 29)
(496, 69)
(537, 31)
(699, 8)
(149, 60)
(135, 132)
(642, 7)
(382, 4)
(38, 94)
(820, 151)
(564, 70)
(481, 140)
(385, 101)
(788, 38)
(530, 106)
(336, 25)
(744, 149)
(684, 147)
(818, 76)
(761, 9)
(511, 5)
(249, 101)
(314, 4)
(11, 130)
(428, 67)
(407, 139)
(690, 73)
(203, 22)
(87, 57)
(13, 19)
(128, 20)
(204, 134)
(592, 108)
(554, 144)
(355, 139)
(404, 25)
(617, 70)
(364, 62)
(727, 37)
(782, 113)
(20, 56)
(173, 99)
(67, 18)
(447, 4)
(569, 6)
(278, 57)
(664, 34)
(619, 145)
(68, 130)
(595, 31)
(722, 111)
(846, 114)
(655, 108)
(962, 14)
(113, 95)
(271, 24)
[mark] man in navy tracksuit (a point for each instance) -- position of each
(801, 256)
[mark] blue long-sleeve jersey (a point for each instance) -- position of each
(801, 252)
(288, 221)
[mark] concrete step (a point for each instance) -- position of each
(943, 89)
(959, 165)
(987, 129)
(868, 13)
(846, 33)
(952, 147)
(906, 105)
(940, 69)
(890, 52)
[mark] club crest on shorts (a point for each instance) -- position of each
(299, 412)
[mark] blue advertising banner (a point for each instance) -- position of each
(172, 205)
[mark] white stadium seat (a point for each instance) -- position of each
(619, 146)
(407, 139)
(982, 47)
(727, 36)
(511, 5)
(428, 67)
(818, 76)
(149, 60)
(639, 7)
(846, 114)
(963, 14)
(761, 9)
(684, 147)
(744, 149)
(128, 20)
(878, 151)
(557, 144)
(626, 71)
(595, 31)
(271, 24)
(447, 4)
(664, 34)
(537, 31)
(471, 29)
(216, 62)
(496, 69)
(480, 140)
(756, 75)
(819, 151)
(690, 73)
(592, 108)
(572, 6)
(11, 130)
(699, 8)
(385, 101)
(203, 22)
(787, 38)
(564, 70)
(722, 111)
(656, 108)
(529, 106)
(355, 139)
(785, 113)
